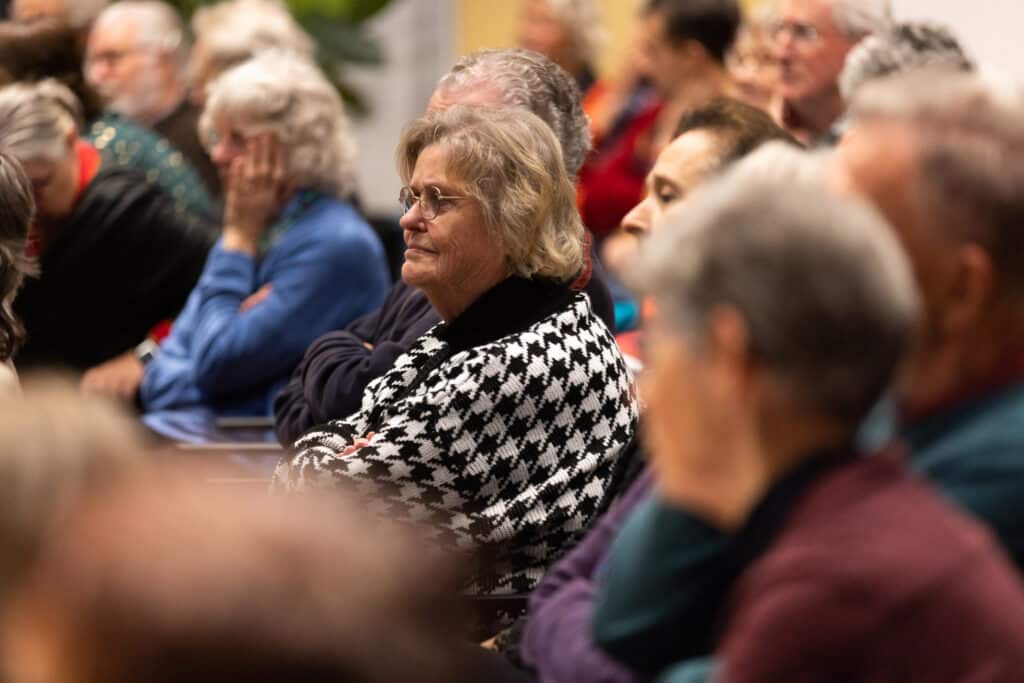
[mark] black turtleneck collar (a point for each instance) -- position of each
(510, 306)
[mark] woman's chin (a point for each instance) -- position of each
(415, 275)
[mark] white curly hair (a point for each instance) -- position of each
(286, 95)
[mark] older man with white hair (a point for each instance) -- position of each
(812, 40)
(136, 59)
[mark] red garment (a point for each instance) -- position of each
(88, 166)
(874, 578)
(611, 182)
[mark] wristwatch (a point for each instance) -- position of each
(146, 351)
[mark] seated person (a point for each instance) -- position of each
(842, 565)
(136, 59)
(962, 399)
(329, 382)
(708, 140)
(295, 259)
(17, 209)
(503, 427)
(46, 49)
(571, 34)
(116, 256)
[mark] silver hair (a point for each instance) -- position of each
(36, 119)
(583, 20)
(530, 81)
(822, 284)
(967, 133)
(859, 18)
(158, 26)
(907, 46)
(233, 31)
(287, 96)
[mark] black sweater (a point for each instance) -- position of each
(124, 260)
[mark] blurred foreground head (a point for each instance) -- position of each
(782, 317)
(941, 154)
(55, 448)
(173, 578)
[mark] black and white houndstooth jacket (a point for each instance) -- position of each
(506, 448)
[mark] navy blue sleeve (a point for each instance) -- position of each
(329, 382)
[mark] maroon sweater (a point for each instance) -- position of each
(872, 578)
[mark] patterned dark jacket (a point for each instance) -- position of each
(501, 431)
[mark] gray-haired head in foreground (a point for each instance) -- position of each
(822, 285)
(284, 94)
(907, 46)
(968, 136)
(530, 81)
(859, 18)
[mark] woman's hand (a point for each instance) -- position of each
(254, 194)
(359, 443)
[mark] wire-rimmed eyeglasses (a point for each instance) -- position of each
(430, 200)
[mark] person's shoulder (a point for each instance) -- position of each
(121, 191)
(873, 528)
(335, 223)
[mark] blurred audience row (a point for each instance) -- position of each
(804, 465)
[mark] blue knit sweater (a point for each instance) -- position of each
(324, 271)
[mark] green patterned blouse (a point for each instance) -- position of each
(122, 143)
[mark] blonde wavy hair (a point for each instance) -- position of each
(511, 163)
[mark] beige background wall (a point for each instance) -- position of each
(492, 23)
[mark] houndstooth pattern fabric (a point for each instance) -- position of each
(506, 449)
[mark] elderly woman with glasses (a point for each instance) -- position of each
(503, 426)
(294, 260)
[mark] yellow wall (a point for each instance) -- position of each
(492, 23)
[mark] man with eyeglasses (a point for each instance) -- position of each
(136, 59)
(811, 41)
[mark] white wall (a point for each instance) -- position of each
(990, 29)
(418, 37)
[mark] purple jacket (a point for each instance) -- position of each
(556, 641)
